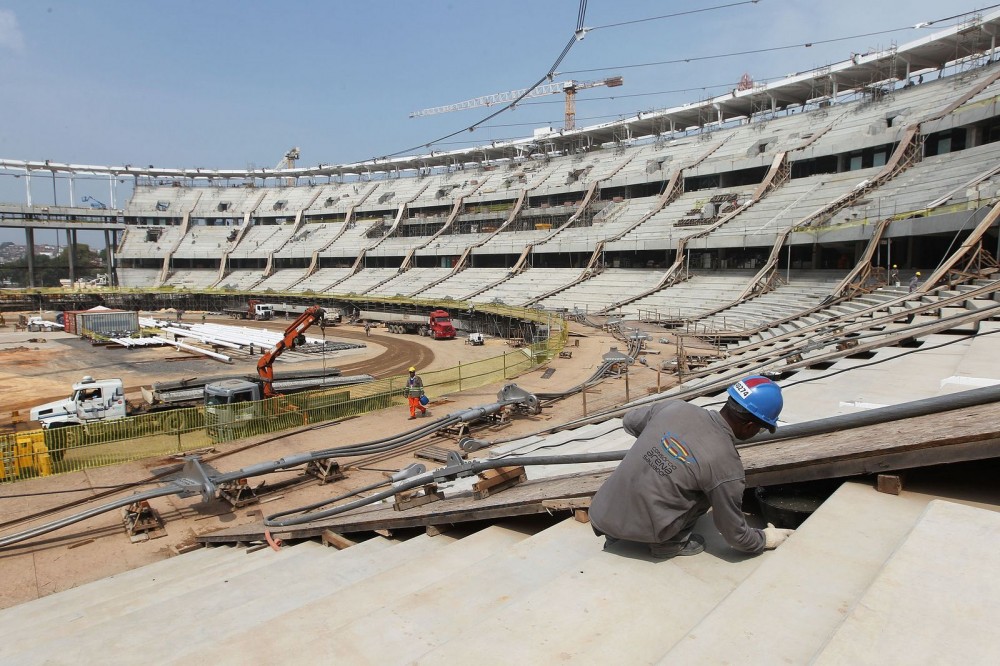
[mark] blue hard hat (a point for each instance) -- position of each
(424, 400)
(759, 396)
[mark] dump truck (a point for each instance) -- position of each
(437, 324)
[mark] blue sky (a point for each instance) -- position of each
(228, 84)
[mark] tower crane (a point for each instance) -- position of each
(288, 162)
(569, 88)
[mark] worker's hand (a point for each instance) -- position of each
(774, 536)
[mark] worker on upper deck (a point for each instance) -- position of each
(414, 391)
(683, 463)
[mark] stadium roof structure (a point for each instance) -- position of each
(870, 73)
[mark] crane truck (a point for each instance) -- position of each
(437, 324)
(98, 400)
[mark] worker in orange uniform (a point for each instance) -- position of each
(414, 391)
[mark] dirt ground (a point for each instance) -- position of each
(32, 371)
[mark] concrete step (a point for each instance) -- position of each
(304, 632)
(540, 627)
(406, 629)
(793, 602)
(104, 602)
(162, 579)
(931, 603)
(16, 620)
(210, 611)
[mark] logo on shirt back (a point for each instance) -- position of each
(676, 449)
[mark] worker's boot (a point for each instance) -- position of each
(694, 545)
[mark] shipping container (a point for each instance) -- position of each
(103, 323)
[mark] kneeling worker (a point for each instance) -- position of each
(684, 462)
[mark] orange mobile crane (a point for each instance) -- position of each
(294, 335)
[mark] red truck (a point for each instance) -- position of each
(437, 324)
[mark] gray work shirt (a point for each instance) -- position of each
(683, 460)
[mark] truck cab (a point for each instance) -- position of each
(91, 400)
(230, 403)
(261, 311)
(440, 326)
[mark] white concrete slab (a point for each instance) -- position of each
(936, 601)
(412, 625)
(615, 607)
(794, 601)
(304, 632)
(209, 612)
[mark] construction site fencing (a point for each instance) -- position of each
(177, 432)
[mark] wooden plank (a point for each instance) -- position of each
(338, 541)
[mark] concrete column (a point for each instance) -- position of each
(110, 263)
(71, 254)
(29, 239)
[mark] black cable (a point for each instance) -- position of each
(675, 15)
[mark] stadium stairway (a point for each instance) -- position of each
(866, 576)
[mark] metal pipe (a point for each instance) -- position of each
(446, 474)
(906, 410)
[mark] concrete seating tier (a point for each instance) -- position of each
(702, 292)
(452, 244)
(309, 239)
(202, 242)
(147, 201)
(261, 240)
(521, 288)
(927, 181)
(800, 293)
(616, 218)
(281, 280)
(337, 198)
(242, 280)
(285, 202)
(363, 280)
(192, 279)
(600, 291)
(138, 278)
(512, 242)
(321, 280)
(792, 202)
(391, 193)
(136, 245)
(463, 283)
(410, 282)
(226, 202)
(661, 230)
(397, 246)
(354, 239)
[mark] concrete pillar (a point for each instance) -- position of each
(29, 239)
(70, 254)
(109, 263)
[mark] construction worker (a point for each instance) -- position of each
(414, 391)
(684, 462)
(914, 282)
(894, 276)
